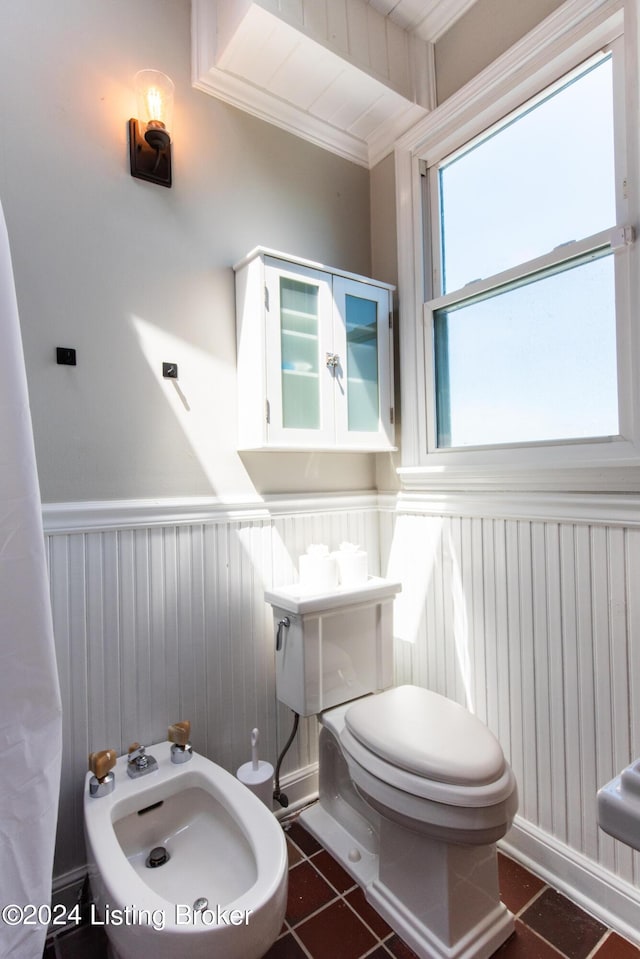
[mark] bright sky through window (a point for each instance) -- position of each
(535, 361)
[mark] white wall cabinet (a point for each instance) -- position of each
(314, 356)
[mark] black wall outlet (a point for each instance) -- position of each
(65, 356)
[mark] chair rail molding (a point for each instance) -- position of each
(131, 514)
(591, 509)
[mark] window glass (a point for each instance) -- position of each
(534, 362)
(541, 180)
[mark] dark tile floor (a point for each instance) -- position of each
(328, 917)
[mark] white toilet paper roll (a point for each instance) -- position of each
(318, 574)
(259, 781)
(353, 567)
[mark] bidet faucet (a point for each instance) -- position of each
(178, 735)
(103, 780)
(139, 764)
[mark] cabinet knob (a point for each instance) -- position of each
(332, 360)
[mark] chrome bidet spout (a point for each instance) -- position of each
(139, 764)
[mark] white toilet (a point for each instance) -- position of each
(184, 861)
(414, 790)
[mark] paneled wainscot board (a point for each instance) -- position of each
(162, 617)
(534, 626)
(528, 613)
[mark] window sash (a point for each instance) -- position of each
(537, 117)
(556, 260)
(526, 417)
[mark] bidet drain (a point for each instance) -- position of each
(200, 904)
(157, 857)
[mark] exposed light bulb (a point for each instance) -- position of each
(155, 99)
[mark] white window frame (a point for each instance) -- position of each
(577, 31)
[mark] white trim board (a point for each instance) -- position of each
(316, 86)
(133, 514)
(600, 893)
(604, 509)
(301, 788)
(515, 75)
(592, 508)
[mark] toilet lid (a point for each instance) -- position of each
(428, 735)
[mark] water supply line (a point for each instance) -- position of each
(277, 794)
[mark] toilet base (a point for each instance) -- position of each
(449, 910)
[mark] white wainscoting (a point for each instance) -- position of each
(159, 615)
(535, 626)
(527, 612)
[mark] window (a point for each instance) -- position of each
(523, 237)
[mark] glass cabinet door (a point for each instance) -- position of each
(362, 375)
(299, 337)
(362, 337)
(298, 302)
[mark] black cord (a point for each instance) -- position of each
(277, 795)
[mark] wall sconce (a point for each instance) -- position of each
(149, 138)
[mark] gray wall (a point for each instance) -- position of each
(486, 30)
(131, 274)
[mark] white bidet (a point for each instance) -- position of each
(184, 863)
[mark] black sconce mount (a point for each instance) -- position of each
(150, 154)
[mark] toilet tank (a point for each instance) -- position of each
(337, 646)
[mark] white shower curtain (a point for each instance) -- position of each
(30, 711)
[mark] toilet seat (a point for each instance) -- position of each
(427, 734)
(425, 745)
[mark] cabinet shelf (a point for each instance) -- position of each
(302, 314)
(299, 334)
(290, 372)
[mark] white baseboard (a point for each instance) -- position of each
(599, 892)
(66, 892)
(66, 885)
(301, 788)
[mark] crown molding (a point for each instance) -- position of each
(389, 115)
(258, 103)
(440, 17)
